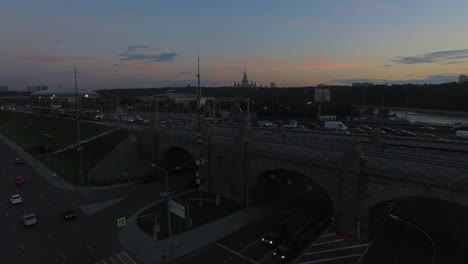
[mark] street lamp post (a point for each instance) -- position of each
(420, 229)
(166, 174)
(47, 136)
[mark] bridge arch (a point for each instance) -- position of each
(176, 156)
(288, 187)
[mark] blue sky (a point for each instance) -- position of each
(117, 44)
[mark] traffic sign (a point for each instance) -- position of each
(121, 222)
(156, 228)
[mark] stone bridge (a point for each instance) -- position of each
(355, 175)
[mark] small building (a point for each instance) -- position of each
(462, 78)
(36, 88)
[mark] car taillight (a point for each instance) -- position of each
(66, 216)
(74, 214)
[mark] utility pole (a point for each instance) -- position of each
(198, 95)
(77, 106)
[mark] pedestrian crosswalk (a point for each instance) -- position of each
(330, 248)
(119, 258)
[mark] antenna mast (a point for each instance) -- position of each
(198, 93)
(78, 106)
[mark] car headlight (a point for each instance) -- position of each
(263, 239)
(271, 242)
(282, 257)
(274, 253)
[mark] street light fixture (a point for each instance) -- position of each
(420, 229)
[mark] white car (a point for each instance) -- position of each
(168, 193)
(29, 219)
(15, 199)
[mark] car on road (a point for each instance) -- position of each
(169, 193)
(365, 128)
(427, 128)
(16, 199)
(357, 130)
(275, 235)
(67, 214)
(313, 126)
(431, 136)
(286, 249)
(29, 219)
(397, 131)
(148, 178)
(386, 129)
(17, 161)
(20, 180)
(407, 134)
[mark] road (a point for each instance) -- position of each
(400, 242)
(86, 239)
(245, 246)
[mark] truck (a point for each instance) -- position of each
(461, 134)
(335, 125)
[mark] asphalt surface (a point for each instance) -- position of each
(86, 239)
(400, 242)
(245, 246)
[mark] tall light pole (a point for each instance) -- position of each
(166, 174)
(198, 94)
(420, 229)
(77, 106)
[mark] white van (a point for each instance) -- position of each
(461, 134)
(335, 125)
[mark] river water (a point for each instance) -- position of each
(431, 118)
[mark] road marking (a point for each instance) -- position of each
(240, 255)
(249, 245)
(265, 257)
(120, 258)
(328, 242)
(63, 256)
(21, 246)
(129, 258)
(300, 255)
(50, 237)
(90, 248)
(329, 234)
(334, 249)
(330, 259)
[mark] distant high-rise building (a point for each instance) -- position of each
(3, 88)
(362, 84)
(272, 85)
(463, 78)
(36, 88)
(245, 82)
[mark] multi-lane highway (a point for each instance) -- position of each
(86, 239)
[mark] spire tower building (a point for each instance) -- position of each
(245, 82)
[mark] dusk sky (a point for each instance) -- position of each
(126, 44)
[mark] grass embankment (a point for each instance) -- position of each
(40, 134)
(30, 131)
(67, 163)
(200, 215)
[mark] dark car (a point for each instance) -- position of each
(17, 161)
(427, 128)
(20, 180)
(386, 129)
(147, 179)
(405, 133)
(431, 136)
(365, 128)
(356, 130)
(286, 249)
(68, 214)
(275, 235)
(313, 126)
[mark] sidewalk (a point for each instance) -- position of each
(48, 174)
(143, 248)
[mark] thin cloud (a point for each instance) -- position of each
(147, 66)
(432, 79)
(185, 73)
(447, 56)
(387, 65)
(133, 53)
(328, 66)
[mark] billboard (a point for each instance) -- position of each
(322, 95)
